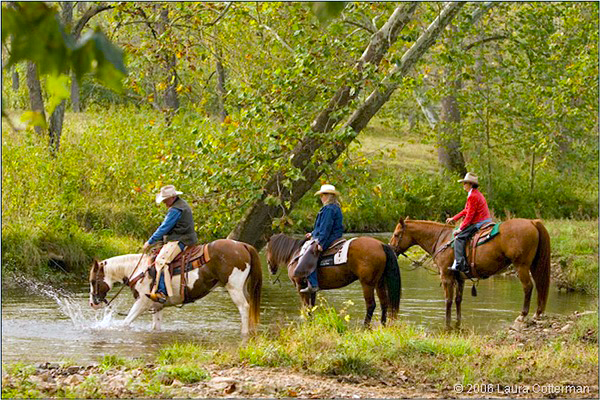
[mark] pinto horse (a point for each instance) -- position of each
(522, 242)
(232, 264)
(373, 263)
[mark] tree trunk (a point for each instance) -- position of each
(75, 95)
(220, 88)
(55, 127)
(35, 94)
(58, 114)
(15, 80)
(255, 226)
(170, 99)
(450, 155)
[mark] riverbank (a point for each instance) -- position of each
(574, 254)
(324, 357)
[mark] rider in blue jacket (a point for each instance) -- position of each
(328, 228)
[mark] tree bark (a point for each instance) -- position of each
(255, 226)
(55, 126)
(35, 94)
(170, 99)
(15, 80)
(58, 114)
(450, 155)
(75, 95)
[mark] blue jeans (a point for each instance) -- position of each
(312, 279)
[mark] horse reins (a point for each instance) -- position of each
(128, 279)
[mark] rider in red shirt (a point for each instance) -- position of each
(476, 213)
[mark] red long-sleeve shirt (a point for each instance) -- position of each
(476, 210)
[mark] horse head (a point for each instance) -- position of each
(98, 285)
(273, 265)
(400, 240)
(281, 250)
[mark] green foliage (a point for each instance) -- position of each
(326, 10)
(111, 361)
(35, 33)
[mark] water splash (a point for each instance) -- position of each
(81, 315)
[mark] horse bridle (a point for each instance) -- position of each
(96, 295)
(399, 240)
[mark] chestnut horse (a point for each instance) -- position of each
(522, 242)
(373, 263)
(232, 264)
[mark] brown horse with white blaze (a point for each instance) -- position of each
(371, 262)
(522, 242)
(233, 265)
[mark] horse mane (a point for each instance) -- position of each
(430, 223)
(119, 265)
(283, 247)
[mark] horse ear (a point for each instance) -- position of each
(95, 265)
(401, 222)
(407, 218)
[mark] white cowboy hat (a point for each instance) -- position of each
(471, 178)
(327, 189)
(166, 192)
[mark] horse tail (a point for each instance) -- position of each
(392, 279)
(254, 287)
(540, 268)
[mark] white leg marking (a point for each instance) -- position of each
(235, 287)
(156, 320)
(141, 305)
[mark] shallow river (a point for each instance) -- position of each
(40, 323)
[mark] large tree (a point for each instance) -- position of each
(314, 151)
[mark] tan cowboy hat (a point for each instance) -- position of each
(166, 192)
(471, 178)
(327, 189)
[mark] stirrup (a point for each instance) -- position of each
(157, 297)
(310, 289)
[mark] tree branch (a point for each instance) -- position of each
(91, 12)
(484, 40)
(220, 15)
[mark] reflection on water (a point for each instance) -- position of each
(42, 324)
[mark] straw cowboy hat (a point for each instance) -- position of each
(471, 178)
(166, 192)
(327, 189)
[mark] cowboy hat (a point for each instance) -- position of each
(327, 189)
(166, 192)
(469, 177)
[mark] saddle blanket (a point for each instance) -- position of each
(339, 257)
(488, 232)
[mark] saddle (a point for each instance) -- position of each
(334, 254)
(310, 258)
(486, 233)
(190, 258)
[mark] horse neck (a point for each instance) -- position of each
(426, 234)
(120, 267)
(286, 249)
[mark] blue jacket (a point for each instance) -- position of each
(328, 226)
